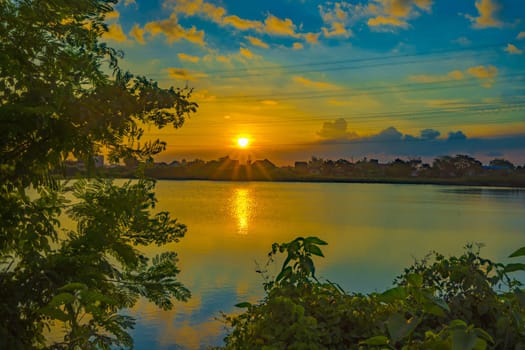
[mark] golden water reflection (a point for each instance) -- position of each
(242, 208)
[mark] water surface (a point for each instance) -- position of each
(373, 231)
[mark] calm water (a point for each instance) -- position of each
(373, 231)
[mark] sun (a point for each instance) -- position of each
(243, 142)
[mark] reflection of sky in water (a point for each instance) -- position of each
(373, 232)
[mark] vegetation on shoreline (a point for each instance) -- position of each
(446, 170)
(466, 302)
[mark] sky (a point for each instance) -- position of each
(334, 79)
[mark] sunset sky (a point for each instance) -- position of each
(348, 79)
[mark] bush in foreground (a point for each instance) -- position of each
(464, 302)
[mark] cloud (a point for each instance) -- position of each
(429, 134)
(520, 35)
(242, 24)
(338, 129)
(129, 2)
(190, 8)
(425, 78)
(277, 26)
(387, 21)
(188, 58)
(115, 33)
(389, 134)
(456, 136)
(483, 72)
(337, 29)
(335, 20)
(513, 50)
(391, 143)
(112, 15)
(246, 52)
(297, 46)
(487, 10)
(137, 33)
(174, 32)
(184, 74)
(311, 38)
(257, 42)
(396, 13)
(315, 84)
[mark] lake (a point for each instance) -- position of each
(373, 231)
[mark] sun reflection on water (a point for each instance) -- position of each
(242, 208)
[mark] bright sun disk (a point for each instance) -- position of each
(243, 142)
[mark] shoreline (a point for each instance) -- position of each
(437, 182)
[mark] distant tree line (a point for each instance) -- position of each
(448, 169)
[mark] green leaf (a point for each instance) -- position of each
(514, 267)
(463, 340)
(286, 272)
(457, 324)
(519, 252)
(315, 250)
(415, 280)
(315, 240)
(398, 327)
(244, 304)
(397, 293)
(378, 340)
(62, 298)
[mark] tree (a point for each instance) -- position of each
(62, 94)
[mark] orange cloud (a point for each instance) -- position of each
(257, 42)
(311, 38)
(173, 31)
(338, 29)
(486, 73)
(315, 84)
(242, 24)
(199, 7)
(246, 53)
(277, 26)
(487, 10)
(395, 13)
(520, 35)
(297, 46)
(112, 15)
(115, 33)
(138, 34)
(188, 58)
(424, 78)
(386, 21)
(483, 72)
(513, 50)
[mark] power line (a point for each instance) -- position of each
(264, 71)
(375, 90)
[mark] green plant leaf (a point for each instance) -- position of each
(244, 304)
(315, 240)
(378, 340)
(399, 327)
(286, 272)
(519, 252)
(514, 267)
(315, 250)
(397, 293)
(463, 340)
